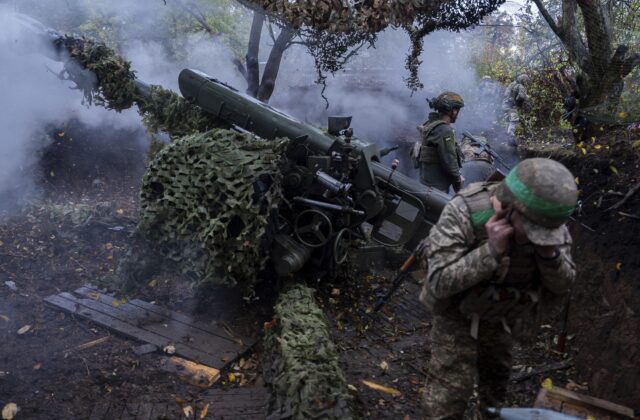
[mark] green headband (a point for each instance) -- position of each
(525, 196)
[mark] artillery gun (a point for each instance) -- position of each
(337, 191)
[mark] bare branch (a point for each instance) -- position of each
(198, 16)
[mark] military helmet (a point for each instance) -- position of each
(545, 193)
(446, 101)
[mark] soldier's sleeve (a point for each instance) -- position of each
(448, 154)
(453, 266)
(558, 273)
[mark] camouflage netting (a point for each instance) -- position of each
(302, 363)
(161, 109)
(115, 79)
(206, 201)
(166, 111)
(419, 17)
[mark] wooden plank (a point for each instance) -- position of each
(193, 373)
(211, 329)
(237, 402)
(158, 411)
(574, 397)
(130, 411)
(178, 332)
(83, 307)
(115, 412)
(215, 348)
(144, 411)
(99, 411)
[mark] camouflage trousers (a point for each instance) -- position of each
(459, 362)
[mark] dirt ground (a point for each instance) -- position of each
(52, 246)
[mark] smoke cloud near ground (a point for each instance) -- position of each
(371, 88)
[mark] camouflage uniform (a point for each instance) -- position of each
(473, 292)
(516, 97)
(440, 157)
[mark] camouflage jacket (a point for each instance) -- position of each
(440, 157)
(460, 260)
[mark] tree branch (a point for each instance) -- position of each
(547, 17)
(200, 18)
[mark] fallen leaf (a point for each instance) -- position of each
(387, 390)
(414, 380)
(613, 169)
(120, 211)
(108, 245)
(577, 181)
(153, 283)
(170, 349)
(597, 147)
(60, 133)
(1, 243)
(188, 411)
(547, 384)
(335, 292)
(4, 318)
(232, 377)
(352, 388)
(94, 295)
(204, 411)
(115, 303)
(619, 266)
(271, 324)
(384, 366)
(24, 329)
(9, 411)
(37, 366)
(180, 401)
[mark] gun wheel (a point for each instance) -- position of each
(341, 246)
(313, 228)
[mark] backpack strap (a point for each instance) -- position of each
(426, 129)
(477, 197)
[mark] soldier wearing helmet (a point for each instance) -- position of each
(497, 252)
(515, 98)
(437, 153)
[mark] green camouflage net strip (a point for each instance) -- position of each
(164, 110)
(206, 202)
(302, 364)
(115, 79)
(161, 109)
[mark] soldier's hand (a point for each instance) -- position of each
(499, 231)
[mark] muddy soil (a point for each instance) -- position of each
(604, 317)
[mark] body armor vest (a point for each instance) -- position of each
(514, 290)
(428, 152)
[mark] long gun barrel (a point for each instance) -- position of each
(247, 113)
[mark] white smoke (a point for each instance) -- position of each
(372, 88)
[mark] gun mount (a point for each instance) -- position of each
(335, 183)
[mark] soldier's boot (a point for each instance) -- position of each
(495, 347)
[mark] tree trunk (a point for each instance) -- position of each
(273, 64)
(253, 65)
(603, 69)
